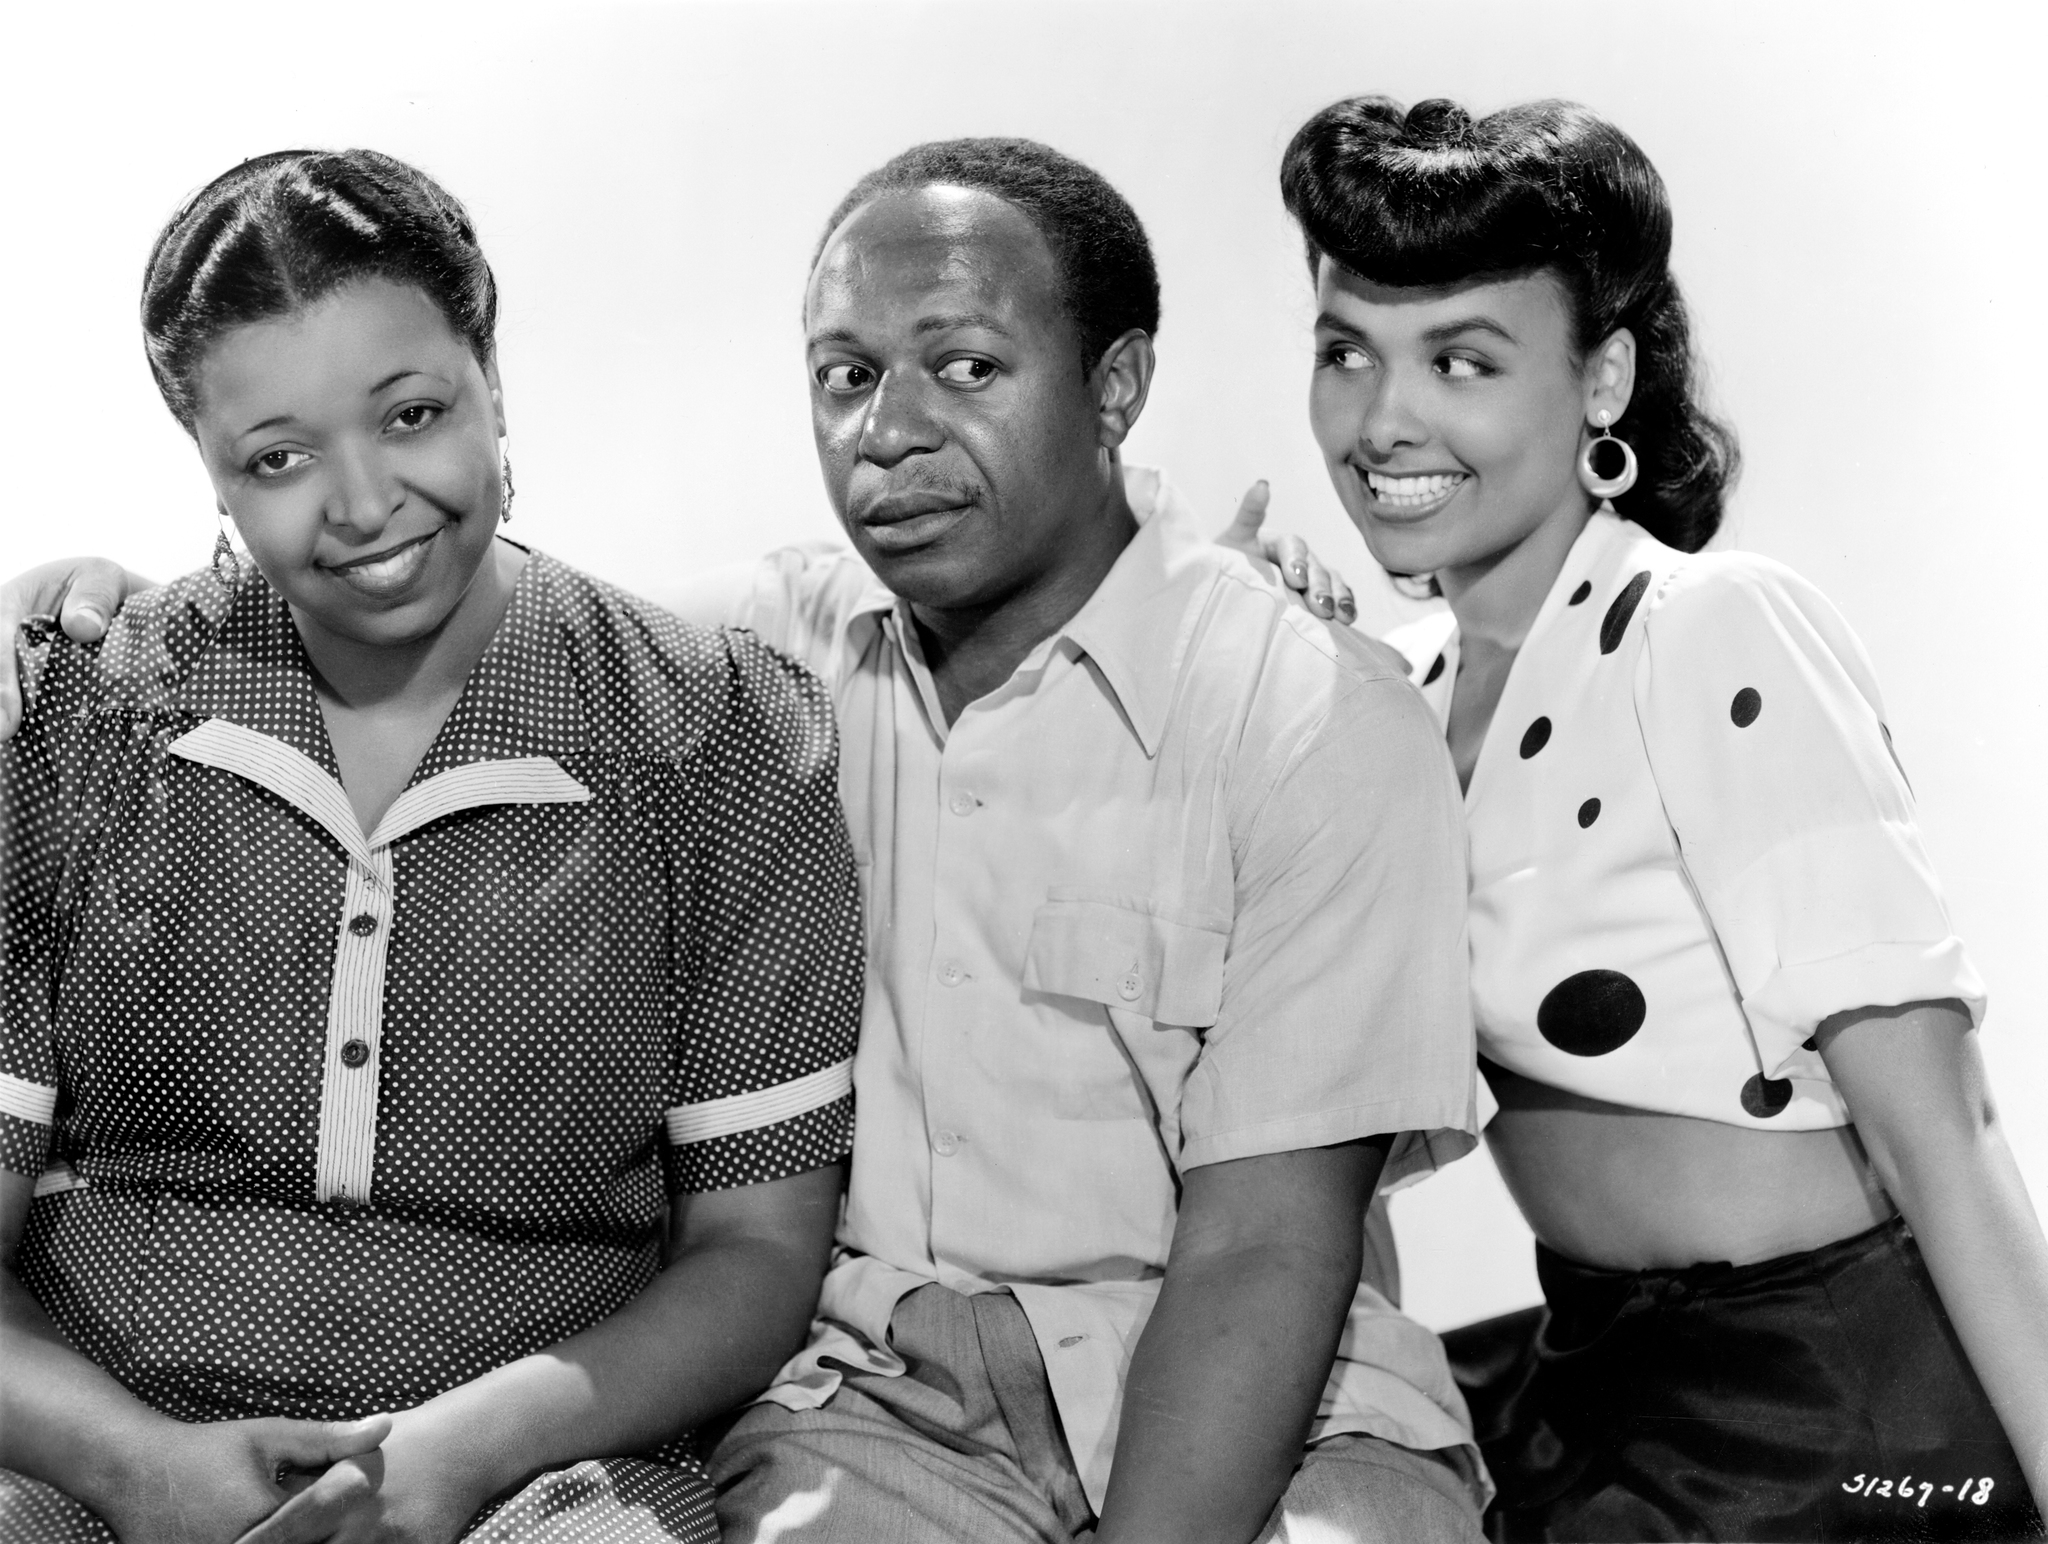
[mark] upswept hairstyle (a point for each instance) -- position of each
(1428, 197)
(285, 230)
(1107, 276)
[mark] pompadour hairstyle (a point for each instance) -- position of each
(1427, 197)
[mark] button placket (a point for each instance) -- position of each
(345, 1161)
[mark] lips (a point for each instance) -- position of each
(895, 508)
(386, 573)
(1411, 494)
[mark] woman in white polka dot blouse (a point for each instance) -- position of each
(1794, 1285)
(431, 976)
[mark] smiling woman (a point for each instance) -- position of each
(430, 976)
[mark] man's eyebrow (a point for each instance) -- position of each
(1450, 330)
(957, 319)
(831, 335)
(1329, 321)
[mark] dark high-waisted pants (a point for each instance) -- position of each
(1821, 1396)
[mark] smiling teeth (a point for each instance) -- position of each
(1412, 491)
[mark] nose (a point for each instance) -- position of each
(1390, 421)
(898, 422)
(365, 493)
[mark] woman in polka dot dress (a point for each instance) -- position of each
(431, 976)
(1794, 1287)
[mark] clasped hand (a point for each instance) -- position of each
(275, 1481)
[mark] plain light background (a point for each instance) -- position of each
(1858, 192)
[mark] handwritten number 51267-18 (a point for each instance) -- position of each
(1870, 1485)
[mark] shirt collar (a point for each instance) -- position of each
(1137, 625)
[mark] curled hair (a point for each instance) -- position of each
(1430, 198)
(285, 230)
(1107, 278)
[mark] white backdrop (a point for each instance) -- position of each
(1859, 198)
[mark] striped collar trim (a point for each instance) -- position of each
(306, 786)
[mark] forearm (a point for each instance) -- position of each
(1977, 1230)
(709, 1332)
(62, 1419)
(1222, 1389)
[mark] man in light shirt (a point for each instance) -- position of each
(1166, 964)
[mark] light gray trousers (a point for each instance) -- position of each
(966, 1446)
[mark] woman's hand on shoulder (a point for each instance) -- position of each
(1319, 588)
(215, 1479)
(82, 593)
(415, 1489)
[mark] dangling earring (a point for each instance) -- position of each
(1606, 489)
(504, 489)
(227, 568)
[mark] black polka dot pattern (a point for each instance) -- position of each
(559, 976)
(1535, 737)
(1764, 1097)
(1747, 705)
(1588, 813)
(1579, 595)
(1591, 1013)
(1436, 668)
(1620, 610)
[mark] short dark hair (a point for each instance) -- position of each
(280, 232)
(1107, 278)
(1428, 197)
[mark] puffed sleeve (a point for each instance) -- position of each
(769, 958)
(1794, 819)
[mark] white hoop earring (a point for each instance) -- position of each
(1606, 489)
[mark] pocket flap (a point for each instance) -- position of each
(1124, 953)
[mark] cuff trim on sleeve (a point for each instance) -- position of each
(701, 1122)
(35, 1102)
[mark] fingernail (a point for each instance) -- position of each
(1320, 600)
(1299, 570)
(91, 617)
(1348, 606)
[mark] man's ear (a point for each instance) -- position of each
(1121, 380)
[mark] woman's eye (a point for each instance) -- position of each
(846, 378)
(1458, 368)
(966, 372)
(275, 463)
(415, 415)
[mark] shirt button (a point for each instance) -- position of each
(1071, 1340)
(946, 1143)
(362, 925)
(354, 1054)
(962, 804)
(1129, 988)
(952, 975)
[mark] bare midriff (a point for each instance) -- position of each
(1630, 1189)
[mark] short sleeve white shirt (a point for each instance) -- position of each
(1187, 888)
(1691, 841)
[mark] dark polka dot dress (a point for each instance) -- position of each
(1690, 840)
(329, 1123)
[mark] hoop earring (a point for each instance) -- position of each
(505, 489)
(1606, 489)
(227, 567)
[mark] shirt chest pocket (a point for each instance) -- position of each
(1129, 954)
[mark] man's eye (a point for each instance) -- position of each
(1346, 356)
(845, 378)
(415, 415)
(966, 372)
(275, 463)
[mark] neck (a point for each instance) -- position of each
(1496, 599)
(373, 677)
(972, 650)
